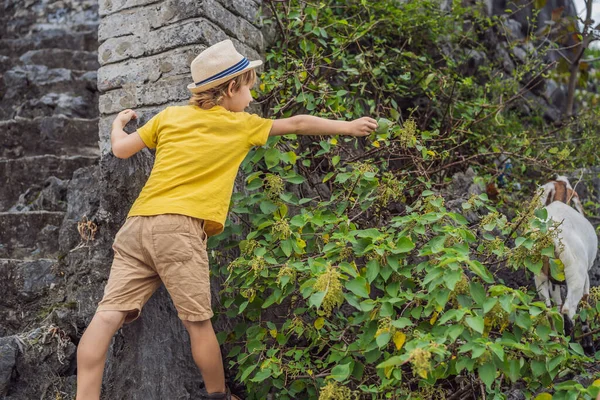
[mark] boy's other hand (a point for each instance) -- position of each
(124, 117)
(362, 127)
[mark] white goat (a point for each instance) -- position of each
(576, 246)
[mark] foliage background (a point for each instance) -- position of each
(361, 270)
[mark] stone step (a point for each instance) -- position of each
(29, 290)
(20, 174)
(30, 235)
(35, 90)
(48, 135)
(63, 58)
(50, 39)
(25, 280)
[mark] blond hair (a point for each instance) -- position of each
(212, 97)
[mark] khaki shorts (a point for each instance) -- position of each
(168, 248)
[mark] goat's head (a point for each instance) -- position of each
(560, 190)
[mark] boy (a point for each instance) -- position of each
(199, 148)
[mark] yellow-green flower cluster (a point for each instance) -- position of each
(274, 186)
(329, 282)
(248, 294)
(389, 188)
(286, 270)
(257, 264)
(408, 133)
(364, 167)
(281, 229)
(420, 360)
(595, 293)
(496, 318)
(249, 246)
(335, 391)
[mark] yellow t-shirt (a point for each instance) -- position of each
(198, 153)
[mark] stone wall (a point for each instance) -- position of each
(51, 279)
(145, 51)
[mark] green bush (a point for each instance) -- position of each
(353, 278)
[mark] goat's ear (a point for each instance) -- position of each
(550, 189)
(576, 202)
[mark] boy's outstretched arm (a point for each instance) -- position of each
(125, 145)
(311, 125)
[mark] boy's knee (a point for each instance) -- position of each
(111, 319)
(196, 324)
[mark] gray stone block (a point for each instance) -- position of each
(21, 174)
(29, 235)
(197, 31)
(9, 350)
(62, 58)
(144, 115)
(247, 9)
(149, 69)
(130, 96)
(107, 7)
(143, 20)
(45, 135)
(26, 280)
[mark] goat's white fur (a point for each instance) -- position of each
(577, 253)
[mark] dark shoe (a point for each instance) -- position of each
(219, 395)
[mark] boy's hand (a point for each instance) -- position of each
(124, 117)
(362, 126)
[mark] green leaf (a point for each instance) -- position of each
(533, 267)
(262, 375)
(383, 339)
(297, 179)
(576, 347)
(316, 299)
(538, 368)
(480, 270)
(451, 278)
(391, 362)
(373, 269)
(268, 207)
(383, 125)
(247, 372)
(476, 323)
(358, 286)
(541, 213)
(404, 245)
(477, 292)
(489, 304)
(286, 247)
(498, 350)
(487, 373)
(272, 157)
(341, 372)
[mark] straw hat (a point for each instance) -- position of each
(217, 64)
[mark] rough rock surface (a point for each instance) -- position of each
(48, 131)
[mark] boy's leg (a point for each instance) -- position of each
(91, 352)
(207, 354)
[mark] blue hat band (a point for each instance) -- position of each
(229, 71)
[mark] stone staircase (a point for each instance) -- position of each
(48, 118)
(48, 130)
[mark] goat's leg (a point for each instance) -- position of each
(576, 279)
(576, 276)
(556, 294)
(542, 287)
